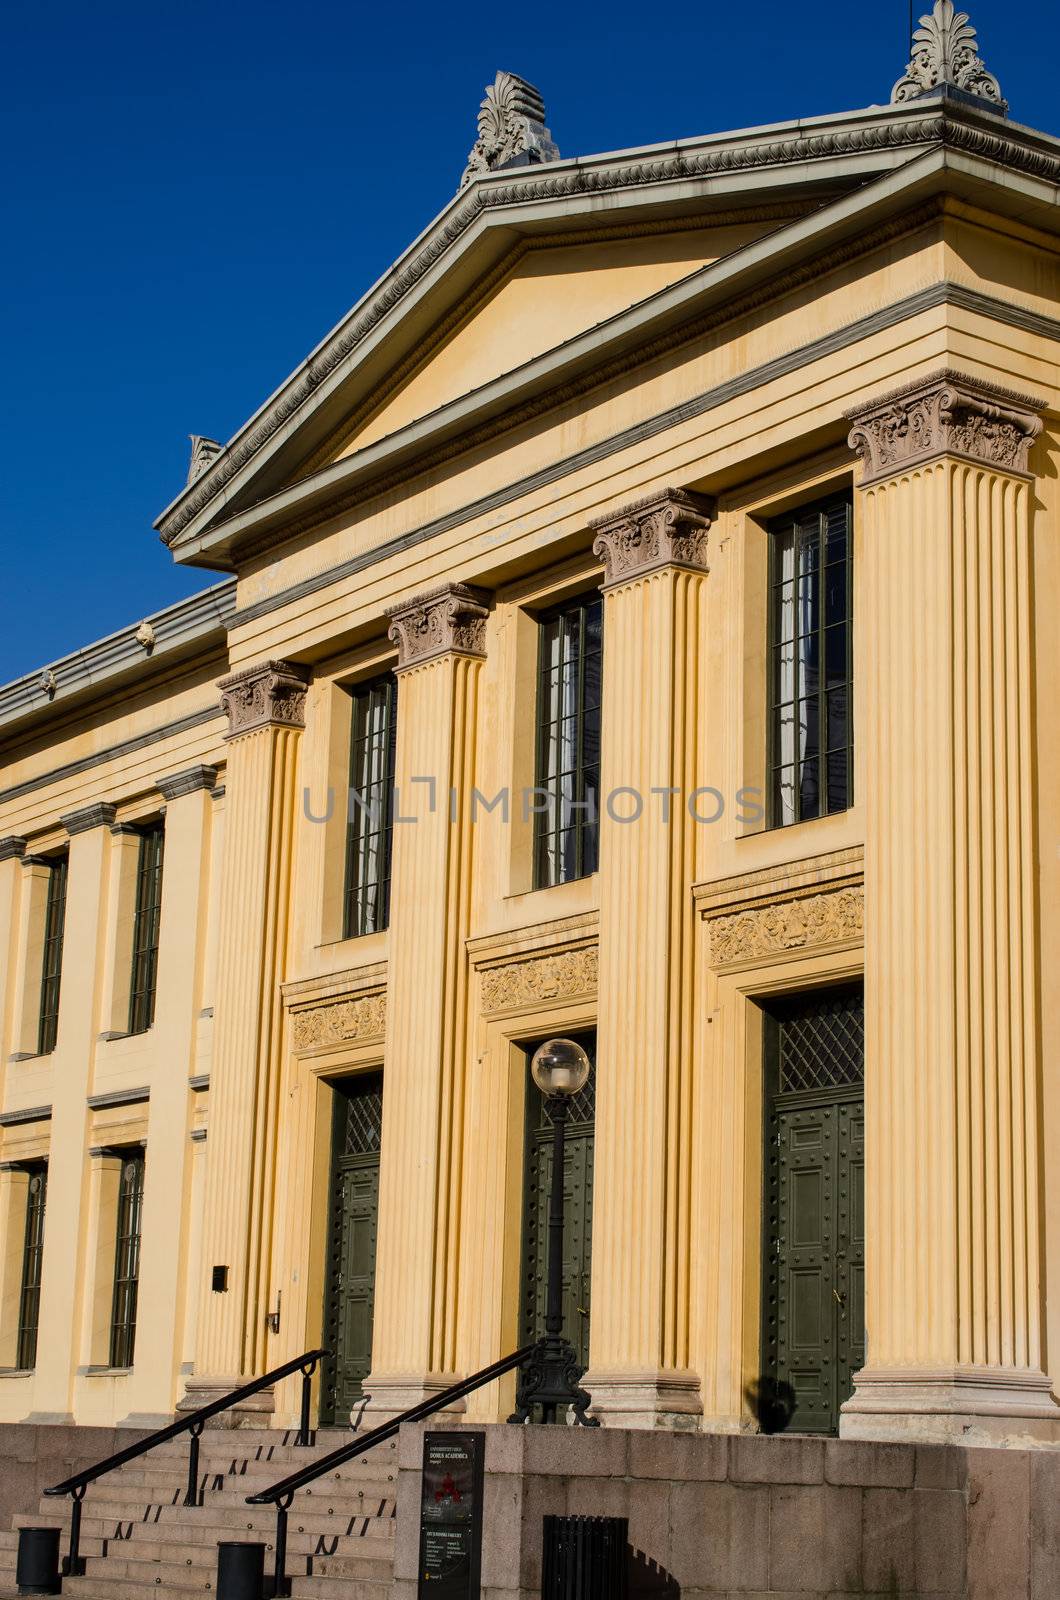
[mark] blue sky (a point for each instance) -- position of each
(195, 193)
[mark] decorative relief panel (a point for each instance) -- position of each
(560, 975)
(340, 1021)
(946, 414)
(449, 620)
(665, 529)
(835, 917)
(271, 694)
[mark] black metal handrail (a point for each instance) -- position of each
(193, 1423)
(281, 1494)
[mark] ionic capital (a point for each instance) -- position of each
(947, 414)
(271, 694)
(446, 621)
(666, 529)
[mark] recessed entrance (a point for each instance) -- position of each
(578, 1213)
(353, 1213)
(813, 1296)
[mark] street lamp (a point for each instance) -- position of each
(549, 1379)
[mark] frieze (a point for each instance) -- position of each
(450, 620)
(560, 975)
(271, 694)
(664, 529)
(834, 917)
(356, 1019)
(945, 414)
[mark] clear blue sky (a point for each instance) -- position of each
(195, 193)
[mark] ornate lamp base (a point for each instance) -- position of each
(549, 1382)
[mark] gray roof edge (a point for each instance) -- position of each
(802, 139)
(186, 623)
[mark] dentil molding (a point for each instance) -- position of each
(271, 694)
(669, 528)
(948, 413)
(357, 1019)
(450, 620)
(529, 980)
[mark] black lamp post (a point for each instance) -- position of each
(549, 1380)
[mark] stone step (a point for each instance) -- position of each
(200, 1524)
(256, 1475)
(371, 1545)
(201, 1575)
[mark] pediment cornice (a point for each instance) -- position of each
(482, 222)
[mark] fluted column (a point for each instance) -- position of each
(441, 640)
(655, 559)
(265, 705)
(953, 1148)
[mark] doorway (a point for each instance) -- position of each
(353, 1214)
(578, 1208)
(813, 1298)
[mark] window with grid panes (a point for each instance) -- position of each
(32, 1257)
(370, 829)
(127, 1261)
(811, 744)
(146, 928)
(52, 964)
(567, 830)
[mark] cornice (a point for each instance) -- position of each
(100, 815)
(945, 414)
(450, 620)
(947, 122)
(665, 529)
(190, 781)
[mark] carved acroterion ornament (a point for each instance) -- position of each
(944, 54)
(511, 129)
(204, 453)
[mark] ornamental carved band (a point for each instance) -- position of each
(946, 414)
(271, 694)
(359, 1019)
(663, 530)
(835, 917)
(447, 621)
(563, 975)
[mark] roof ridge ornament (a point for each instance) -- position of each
(944, 57)
(511, 129)
(204, 453)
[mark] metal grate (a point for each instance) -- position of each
(364, 1119)
(821, 1042)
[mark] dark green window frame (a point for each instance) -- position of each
(569, 700)
(127, 1260)
(370, 821)
(811, 727)
(146, 926)
(52, 962)
(32, 1262)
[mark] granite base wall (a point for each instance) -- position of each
(751, 1517)
(36, 1455)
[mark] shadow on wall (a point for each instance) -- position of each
(648, 1579)
(772, 1401)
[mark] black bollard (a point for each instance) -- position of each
(38, 1561)
(585, 1558)
(240, 1571)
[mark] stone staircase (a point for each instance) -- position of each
(138, 1538)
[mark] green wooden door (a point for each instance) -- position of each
(813, 1299)
(353, 1217)
(578, 1211)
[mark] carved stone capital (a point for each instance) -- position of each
(188, 782)
(100, 815)
(945, 414)
(271, 694)
(668, 529)
(446, 621)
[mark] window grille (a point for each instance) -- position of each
(127, 1261)
(52, 963)
(811, 678)
(146, 928)
(370, 828)
(363, 1133)
(32, 1259)
(567, 831)
(821, 1041)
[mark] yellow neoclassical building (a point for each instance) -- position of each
(636, 623)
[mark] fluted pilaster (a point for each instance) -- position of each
(953, 1294)
(655, 559)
